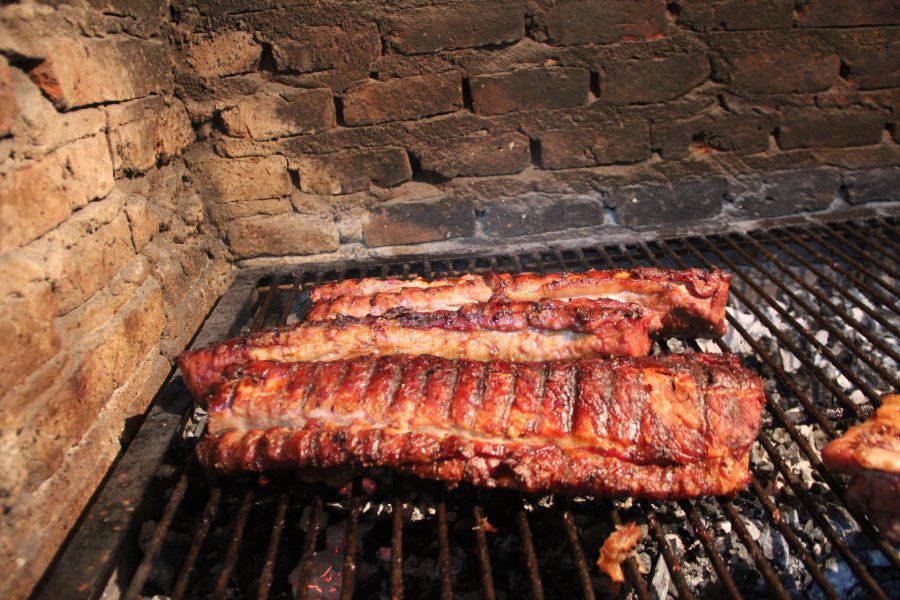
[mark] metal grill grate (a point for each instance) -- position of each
(813, 308)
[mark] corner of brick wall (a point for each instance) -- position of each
(107, 263)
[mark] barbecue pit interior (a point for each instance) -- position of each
(175, 173)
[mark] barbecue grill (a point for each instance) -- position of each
(813, 308)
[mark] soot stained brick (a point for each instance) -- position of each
(572, 22)
(540, 213)
(652, 80)
(421, 220)
(668, 203)
(620, 142)
(784, 192)
(830, 128)
(480, 154)
(529, 89)
(403, 98)
(352, 171)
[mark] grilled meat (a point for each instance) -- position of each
(871, 452)
(518, 331)
(691, 302)
(617, 548)
(659, 427)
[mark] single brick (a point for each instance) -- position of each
(774, 62)
(654, 79)
(75, 72)
(838, 13)
(571, 22)
(535, 213)
(268, 115)
(414, 221)
(238, 179)
(403, 98)
(352, 171)
(477, 155)
(42, 194)
(625, 141)
(721, 132)
(871, 57)
(281, 235)
(736, 15)
(145, 130)
(327, 47)
(668, 203)
(8, 108)
(468, 25)
(223, 54)
(830, 128)
(529, 89)
(872, 185)
(784, 192)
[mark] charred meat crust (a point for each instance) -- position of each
(659, 427)
(606, 328)
(691, 302)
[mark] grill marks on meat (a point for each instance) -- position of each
(516, 331)
(690, 302)
(659, 427)
(871, 452)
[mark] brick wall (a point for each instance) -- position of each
(146, 147)
(107, 264)
(350, 128)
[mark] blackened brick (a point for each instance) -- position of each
(534, 213)
(422, 219)
(468, 25)
(483, 153)
(571, 22)
(327, 48)
(840, 13)
(654, 79)
(774, 62)
(830, 128)
(403, 98)
(736, 15)
(620, 142)
(784, 192)
(721, 132)
(872, 185)
(528, 89)
(352, 171)
(871, 57)
(668, 203)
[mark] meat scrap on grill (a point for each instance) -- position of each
(691, 302)
(517, 331)
(662, 427)
(871, 452)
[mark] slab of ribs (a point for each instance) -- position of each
(871, 453)
(539, 383)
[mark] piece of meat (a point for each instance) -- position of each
(518, 331)
(659, 427)
(871, 452)
(691, 302)
(617, 548)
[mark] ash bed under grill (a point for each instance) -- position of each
(813, 309)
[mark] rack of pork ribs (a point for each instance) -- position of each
(540, 383)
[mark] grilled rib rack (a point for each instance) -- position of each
(813, 308)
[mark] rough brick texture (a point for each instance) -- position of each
(403, 98)
(654, 79)
(270, 114)
(529, 89)
(482, 153)
(468, 25)
(624, 142)
(569, 22)
(830, 128)
(418, 213)
(346, 172)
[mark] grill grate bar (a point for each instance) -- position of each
(712, 552)
(887, 376)
(842, 227)
(857, 280)
(444, 548)
(672, 562)
(150, 554)
(209, 512)
(481, 550)
(802, 443)
(866, 332)
(351, 539)
(884, 240)
(811, 367)
(265, 579)
(776, 588)
(534, 575)
(833, 284)
(311, 535)
(867, 256)
(870, 393)
(397, 544)
(578, 553)
(237, 536)
(855, 263)
(792, 539)
(632, 569)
